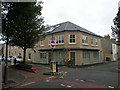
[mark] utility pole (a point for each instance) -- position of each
(6, 64)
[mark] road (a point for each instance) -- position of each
(97, 76)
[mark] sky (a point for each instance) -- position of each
(94, 15)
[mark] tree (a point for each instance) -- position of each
(25, 22)
(116, 28)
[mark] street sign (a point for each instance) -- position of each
(52, 44)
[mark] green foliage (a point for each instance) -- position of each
(116, 28)
(22, 23)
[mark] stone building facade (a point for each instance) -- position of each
(74, 46)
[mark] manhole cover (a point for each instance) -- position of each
(11, 81)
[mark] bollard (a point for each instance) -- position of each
(56, 66)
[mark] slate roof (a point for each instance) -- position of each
(67, 26)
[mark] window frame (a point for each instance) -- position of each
(84, 40)
(92, 41)
(96, 42)
(72, 39)
(29, 56)
(42, 42)
(59, 39)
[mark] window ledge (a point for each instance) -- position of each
(92, 45)
(85, 44)
(60, 44)
(72, 43)
(41, 45)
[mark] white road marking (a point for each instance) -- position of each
(110, 86)
(47, 80)
(68, 86)
(28, 83)
(62, 85)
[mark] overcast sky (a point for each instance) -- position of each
(94, 15)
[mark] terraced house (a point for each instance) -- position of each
(74, 46)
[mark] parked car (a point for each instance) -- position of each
(10, 57)
(18, 58)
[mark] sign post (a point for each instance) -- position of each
(53, 63)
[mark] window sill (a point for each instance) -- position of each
(41, 45)
(85, 44)
(72, 43)
(60, 44)
(92, 45)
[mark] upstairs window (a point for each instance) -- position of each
(96, 41)
(72, 39)
(60, 39)
(42, 43)
(91, 41)
(84, 39)
(49, 39)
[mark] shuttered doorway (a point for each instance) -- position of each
(43, 57)
(95, 57)
(86, 58)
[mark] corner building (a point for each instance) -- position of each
(74, 46)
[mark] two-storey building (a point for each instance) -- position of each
(74, 45)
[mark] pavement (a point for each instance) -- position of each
(19, 78)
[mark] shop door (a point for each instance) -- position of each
(49, 57)
(95, 57)
(43, 57)
(60, 57)
(86, 58)
(34, 57)
(72, 58)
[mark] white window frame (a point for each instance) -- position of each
(84, 39)
(44, 55)
(72, 38)
(92, 44)
(59, 39)
(49, 40)
(96, 42)
(42, 43)
(29, 55)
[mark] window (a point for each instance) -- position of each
(49, 39)
(84, 39)
(29, 55)
(60, 39)
(96, 42)
(42, 55)
(72, 39)
(57, 39)
(42, 43)
(91, 41)
(19, 54)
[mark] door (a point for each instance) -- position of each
(72, 58)
(95, 57)
(34, 56)
(43, 57)
(60, 57)
(49, 57)
(101, 57)
(86, 58)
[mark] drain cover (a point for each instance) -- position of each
(11, 81)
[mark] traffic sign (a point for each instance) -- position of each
(52, 44)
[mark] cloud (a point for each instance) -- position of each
(94, 15)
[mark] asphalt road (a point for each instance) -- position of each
(97, 76)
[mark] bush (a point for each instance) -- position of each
(23, 66)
